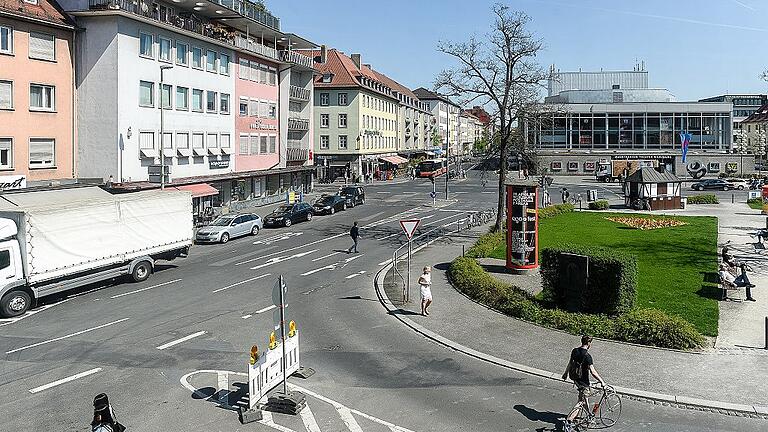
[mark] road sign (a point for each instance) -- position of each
(409, 226)
(432, 194)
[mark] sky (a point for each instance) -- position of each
(695, 48)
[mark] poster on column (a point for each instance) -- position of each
(522, 223)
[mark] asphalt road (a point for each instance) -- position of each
(149, 345)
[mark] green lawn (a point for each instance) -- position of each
(671, 261)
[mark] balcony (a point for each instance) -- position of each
(298, 124)
(296, 152)
(299, 93)
(252, 11)
(255, 47)
(297, 59)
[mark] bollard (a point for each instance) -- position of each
(462, 254)
(766, 333)
(733, 198)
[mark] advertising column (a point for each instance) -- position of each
(522, 226)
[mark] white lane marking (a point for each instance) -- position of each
(266, 419)
(223, 384)
(383, 192)
(391, 235)
(369, 217)
(324, 257)
(66, 337)
(266, 309)
(346, 417)
(356, 274)
(277, 238)
(246, 316)
(309, 420)
(240, 283)
(427, 217)
(65, 380)
(7, 321)
(145, 289)
(178, 341)
(332, 266)
(384, 262)
(280, 259)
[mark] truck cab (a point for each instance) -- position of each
(12, 301)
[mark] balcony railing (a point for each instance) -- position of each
(296, 151)
(299, 124)
(255, 47)
(299, 93)
(252, 11)
(296, 58)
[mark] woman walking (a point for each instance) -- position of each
(425, 282)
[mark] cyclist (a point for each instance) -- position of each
(580, 367)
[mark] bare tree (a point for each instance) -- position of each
(499, 72)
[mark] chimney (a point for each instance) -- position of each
(357, 60)
(323, 54)
(368, 65)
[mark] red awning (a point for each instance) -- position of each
(199, 190)
(397, 160)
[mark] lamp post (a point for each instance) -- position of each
(447, 147)
(162, 125)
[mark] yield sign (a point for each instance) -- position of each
(409, 226)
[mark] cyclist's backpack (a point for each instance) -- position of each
(574, 370)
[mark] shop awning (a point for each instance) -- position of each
(397, 160)
(198, 190)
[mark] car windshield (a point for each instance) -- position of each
(325, 200)
(222, 221)
(282, 209)
(347, 191)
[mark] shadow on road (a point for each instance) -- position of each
(402, 312)
(550, 417)
(357, 297)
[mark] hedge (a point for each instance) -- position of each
(703, 199)
(554, 210)
(612, 287)
(650, 327)
(755, 203)
(599, 205)
(486, 244)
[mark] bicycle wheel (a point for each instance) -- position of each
(610, 408)
(583, 419)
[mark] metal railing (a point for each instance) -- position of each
(293, 154)
(252, 11)
(296, 58)
(299, 93)
(255, 47)
(295, 123)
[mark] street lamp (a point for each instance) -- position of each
(163, 68)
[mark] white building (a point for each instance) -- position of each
(447, 117)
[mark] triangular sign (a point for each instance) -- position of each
(409, 226)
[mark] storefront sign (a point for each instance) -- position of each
(218, 164)
(523, 223)
(257, 124)
(638, 156)
(13, 182)
(372, 132)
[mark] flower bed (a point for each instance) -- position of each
(647, 223)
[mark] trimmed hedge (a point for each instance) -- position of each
(755, 203)
(599, 205)
(703, 199)
(612, 287)
(650, 327)
(554, 210)
(487, 243)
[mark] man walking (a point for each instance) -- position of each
(580, 367)
(354, 232)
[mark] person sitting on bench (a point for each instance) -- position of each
(738, 281)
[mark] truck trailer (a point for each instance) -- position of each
(620, 169)
(57, 240)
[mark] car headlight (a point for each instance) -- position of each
(327, 207)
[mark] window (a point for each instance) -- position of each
(342, 120)
(42, 46)
(325, 99)
(263, 109)
(224, 141)
(325, 142)
(211, 102)
(224, 103)
(272, 110)
(213, 141)
(272, 76)
(182, 140)
(210, 61)
(6, 40)
(342, 99)
(182, 98)
(263, 144)
(181, 53)
(197, 58)
(243, 150)
(324, 120)
(197, 141)
(245, 70)
(254, 72)
(41, 97)
(253, 108)
(165, 96)
(254, 147)
(263, 72)
(273, 144)
(6, 153)
(165, 50)
(146, 47)
(197, 100)
(41, 152)
(224, 64)
(243, 107)
(146, 94)
(342, 142)
(146, 140)
(167, 140)
(6, 95)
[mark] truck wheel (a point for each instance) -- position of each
(141, 271)
(15, 303)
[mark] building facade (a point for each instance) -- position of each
(37, 104)
(447, 117)
(744, 105)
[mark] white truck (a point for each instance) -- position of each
(57, 240)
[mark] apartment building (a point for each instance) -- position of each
(447, 115)
(415, 121)
(37, 137)
(470, 131)
(226, 70)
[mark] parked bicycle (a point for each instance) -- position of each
(602, 414)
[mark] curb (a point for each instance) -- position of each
(682, 402)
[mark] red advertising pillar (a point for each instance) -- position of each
(522, 225)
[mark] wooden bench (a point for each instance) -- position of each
(725, 287)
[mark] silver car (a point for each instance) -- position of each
(228, 227)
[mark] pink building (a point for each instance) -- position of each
(256, 125)
(37, 105)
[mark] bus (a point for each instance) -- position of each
(431, 168)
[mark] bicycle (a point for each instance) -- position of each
(603, 414)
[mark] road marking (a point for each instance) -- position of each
(427, 217)
(178, 341)
(266, 309)
(223, 383)
(64, 380)
(280, 259)
(369, 217)
(240, 283)
(324, 257)
(332, 266)
(266, 419)
(384, 262)
(346, 417)
(7, 321)
(277, 238)
(145, 289)
(356, 274)
(391, 235)
(383, 192)
(66, 337)
(246, 316)
(309, 420)
(239, 257)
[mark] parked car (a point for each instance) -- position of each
(329, 204)
(738, 183)
(353, 194)
(288, 214)
(227, 227)
(718, 184)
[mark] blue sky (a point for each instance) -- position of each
(696, 48)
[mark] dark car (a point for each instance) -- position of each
(288, 214)
(329, 204)
(718, 184)
(353, 194)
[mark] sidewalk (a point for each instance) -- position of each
(719, 380)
